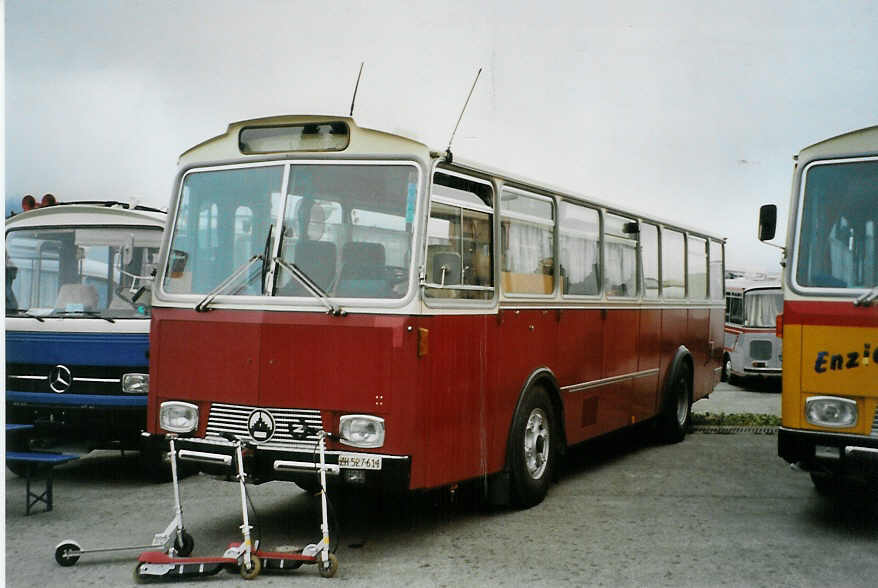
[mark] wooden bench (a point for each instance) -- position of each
(35, 462)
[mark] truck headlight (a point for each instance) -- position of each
(135, 383)
(831, 411)
(178, 417)
(361, 430)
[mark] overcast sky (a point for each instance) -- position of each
(690, 111)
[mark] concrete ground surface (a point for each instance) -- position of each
(714, 510)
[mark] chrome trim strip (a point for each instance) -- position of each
(213, 458)
(853, 450)
(74, 379)
(606, 381)
(304, 466)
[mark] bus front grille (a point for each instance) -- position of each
(233, 418)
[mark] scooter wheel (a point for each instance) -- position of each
(253, 571)
(66, 553)
(329, 568)
(184, 544)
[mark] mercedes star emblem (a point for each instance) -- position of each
(60, 379)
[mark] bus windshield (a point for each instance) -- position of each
(81, 272)
(762, 307)
(346, 226)
(837, 246)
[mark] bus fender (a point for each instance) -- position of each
(545, 376)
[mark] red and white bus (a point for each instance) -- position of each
(752, 347)
(442, 320)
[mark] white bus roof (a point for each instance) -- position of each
(85, 214)
(370, 142)
(745, 285)
(858, 142)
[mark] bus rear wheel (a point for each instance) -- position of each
(532, 453)
(677, 414)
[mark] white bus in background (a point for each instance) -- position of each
(752, 347)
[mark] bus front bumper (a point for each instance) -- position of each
(835, 453)
(264, 464)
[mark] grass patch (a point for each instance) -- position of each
(735, 420)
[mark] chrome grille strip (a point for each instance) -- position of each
(875, 424)
(231, 418)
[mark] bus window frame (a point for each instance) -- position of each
(250, 302)
(423, 285)
(637, 261)
(796, 222)
(501, 214)
(600, 249)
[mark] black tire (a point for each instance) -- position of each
(309, 485)
(724, 376)
(532, 448)
(65, 553)
(185, 546)
(676, 415)
(826, 484)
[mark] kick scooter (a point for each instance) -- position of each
(174, 540)
(246, 556)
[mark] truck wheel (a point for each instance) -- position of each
(677, 413)
(532, 453)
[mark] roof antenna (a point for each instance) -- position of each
(362, 63)
(448, 156)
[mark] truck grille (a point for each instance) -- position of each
(232, 418)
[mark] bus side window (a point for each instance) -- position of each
(459, 260)
(528, 262)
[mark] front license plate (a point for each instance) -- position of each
(355, 461)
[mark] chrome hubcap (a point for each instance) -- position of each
(536, 443)
(682, 403)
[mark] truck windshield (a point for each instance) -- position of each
(837, 246)
(347, 227)
(81, 272)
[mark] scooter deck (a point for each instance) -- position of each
(156, 565)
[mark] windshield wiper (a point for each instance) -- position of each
(203, 306)
(88, 313)
(23, 312)
(868, 298)
(311, 286)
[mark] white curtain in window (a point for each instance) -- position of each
(621, 268)
(528, 247)
(761, 309)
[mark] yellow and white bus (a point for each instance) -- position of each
(830, 316)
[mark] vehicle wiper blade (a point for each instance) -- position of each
(24, 312)
(204, 305)
(868, 298)
(311, 286)
(89, 313)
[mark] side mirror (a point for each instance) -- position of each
(767, 222)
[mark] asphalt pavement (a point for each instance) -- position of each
(714, 510)
(756, 397)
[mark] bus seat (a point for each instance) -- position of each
(77, 297)
(317, 260)
(363, 271)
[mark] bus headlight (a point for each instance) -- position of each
(831, 411)
(361, 430)
(135, 383)
(178, 417)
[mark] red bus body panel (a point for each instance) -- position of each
(451, 410)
